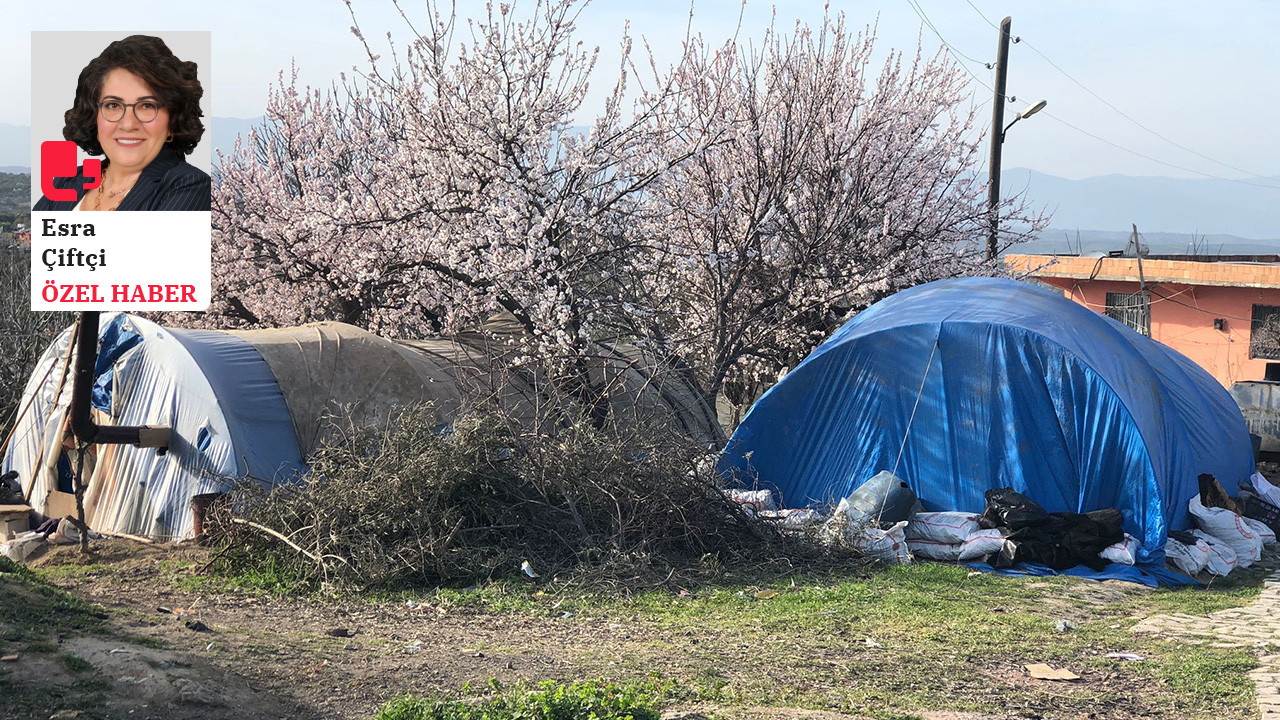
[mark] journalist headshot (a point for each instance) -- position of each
(139, 105)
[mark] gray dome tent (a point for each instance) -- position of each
(253, 404)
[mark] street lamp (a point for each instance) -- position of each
(1031, 110)
(993, 180)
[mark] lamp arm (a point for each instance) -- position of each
(1006, 127)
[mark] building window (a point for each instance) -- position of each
(1132, 310)
(1264, 332)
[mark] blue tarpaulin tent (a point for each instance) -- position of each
(960, 386)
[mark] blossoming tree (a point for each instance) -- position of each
(730, 213)
(441, 188)
(829, 186)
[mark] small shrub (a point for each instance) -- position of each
(416, 506)
(547, 701)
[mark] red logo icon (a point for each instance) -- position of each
(58, 160)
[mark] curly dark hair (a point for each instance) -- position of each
(173, 81)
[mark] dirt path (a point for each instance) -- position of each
(327, 659)
(1256, 626)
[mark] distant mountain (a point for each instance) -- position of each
(15, 141)
(15, 147)
(226, 130)
(1156, 204)
(1085, 242)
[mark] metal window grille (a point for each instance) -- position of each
(1264, 333)
(1132, 310)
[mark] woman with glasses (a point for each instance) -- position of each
(138, 104)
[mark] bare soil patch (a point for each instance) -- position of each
(262, 656)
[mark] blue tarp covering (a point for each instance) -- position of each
(1149, 575)
(255, 411)
(114, 341)
(1018, 386)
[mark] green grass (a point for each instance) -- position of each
(22, 701)
(1240, 588)
(33, 614)
(1207, 678)
(938, 627)
(546, 701)
(948, 640)
(32, 610)
(942, 631)
(263, 577)
(75, 663)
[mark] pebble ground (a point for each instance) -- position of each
(1256, 626)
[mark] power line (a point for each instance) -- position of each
(1198, 308)
(1163, 298)
(954, 51)
(1155, 160)
(925, 19)
(1126, 116)
(1122, 113)
(984, 17)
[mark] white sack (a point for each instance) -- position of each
(1124, 552)
(1264, 531)
(794, 518)
(1265, 489)
(887, 546)
(1230, 528)
(934, 550)
(982, 542)
(22, 546)
(757, 500)
(943, 527)
(1190, 559)
(1221, 559)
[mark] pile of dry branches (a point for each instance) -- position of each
(422, 505)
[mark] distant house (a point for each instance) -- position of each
(1223, 312)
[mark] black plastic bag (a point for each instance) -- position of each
(1060, 540)
(10, 491)
(1261, 510)
(1009, 508)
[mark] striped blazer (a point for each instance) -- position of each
(168, 183)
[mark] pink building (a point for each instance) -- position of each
(1222, 312)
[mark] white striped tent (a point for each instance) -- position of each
(256, 404)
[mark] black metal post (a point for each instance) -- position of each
(85, 429)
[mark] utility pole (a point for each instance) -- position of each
(997, 139)
(1137, 252)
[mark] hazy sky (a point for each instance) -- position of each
(1204, 78)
